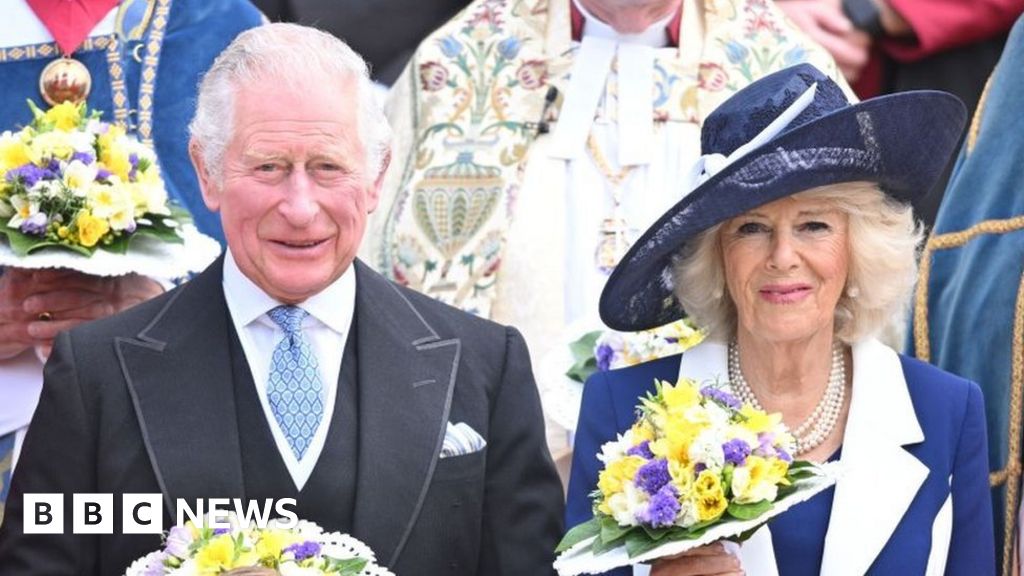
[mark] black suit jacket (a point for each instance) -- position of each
(143, 402)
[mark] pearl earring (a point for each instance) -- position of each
(852, 291)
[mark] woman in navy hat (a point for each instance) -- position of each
(795, 245)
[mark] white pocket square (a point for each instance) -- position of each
(461, 439)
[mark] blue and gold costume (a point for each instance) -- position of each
(969, 307)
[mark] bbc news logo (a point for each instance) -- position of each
(144, 513)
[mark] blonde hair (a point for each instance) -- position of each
(883, 245)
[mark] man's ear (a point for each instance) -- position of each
(207, 184)
(374, 196)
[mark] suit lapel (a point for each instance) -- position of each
(179, 376)
(406, 380)
(880, 478)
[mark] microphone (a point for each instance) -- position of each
(549, 100)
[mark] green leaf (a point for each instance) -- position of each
(347, 567)
(578, 534)
(582, 350)
(655, 533)
(611, 531)
(748, 511)
(24, 244)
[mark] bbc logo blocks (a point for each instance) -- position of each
(93, 514)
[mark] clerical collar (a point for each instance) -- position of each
(664, 32)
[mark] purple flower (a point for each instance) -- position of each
(133, 159)
(155, 564)
(35, 224)
(642, 450)
(178, 541)
(783, 455)
(766, 444)
(28, 174)
(604, 355)
(662, 508)
(303, 550)
(102, 175)
(698, 468)
(219, 531)
(652, 476)
(736, 451)
(83, 157)
(53, 167)
(720, 396)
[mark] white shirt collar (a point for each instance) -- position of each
(655, 35)
(333, 306)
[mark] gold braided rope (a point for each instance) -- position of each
(975, 130)
(1011, 473)
(1013, 458)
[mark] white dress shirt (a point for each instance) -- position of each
(326, 329)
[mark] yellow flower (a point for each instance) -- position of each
(682, 476)
(758, 421)
(218, 554)
(48, 145)
(681, 396)
(114, 154)
(758, 479)
(709, 496)
(610, 480)
(272, 542)
(90, 229)
(642, 430)
(13, 151)
(64, 116)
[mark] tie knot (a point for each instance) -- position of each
(289, 318)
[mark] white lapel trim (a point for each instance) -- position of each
(880, 479)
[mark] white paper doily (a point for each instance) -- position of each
(148, 256)
(560, 395)
(579, 559)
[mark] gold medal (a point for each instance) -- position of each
(65, 80)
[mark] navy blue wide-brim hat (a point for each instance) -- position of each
(901, 141)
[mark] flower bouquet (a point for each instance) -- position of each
(77, 192)
(304, 550)
(696, 467)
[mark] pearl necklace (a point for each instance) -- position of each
(822, 421)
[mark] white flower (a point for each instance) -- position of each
(23, 210)
(79, 176)
(707, 449)
(616, 449)
(628, 504)
(687, 515)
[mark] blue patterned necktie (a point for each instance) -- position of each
(294, 387)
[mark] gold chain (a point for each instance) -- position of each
(601, 161)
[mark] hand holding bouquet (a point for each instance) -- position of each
(696, 467)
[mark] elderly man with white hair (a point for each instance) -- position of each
(288, 369)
